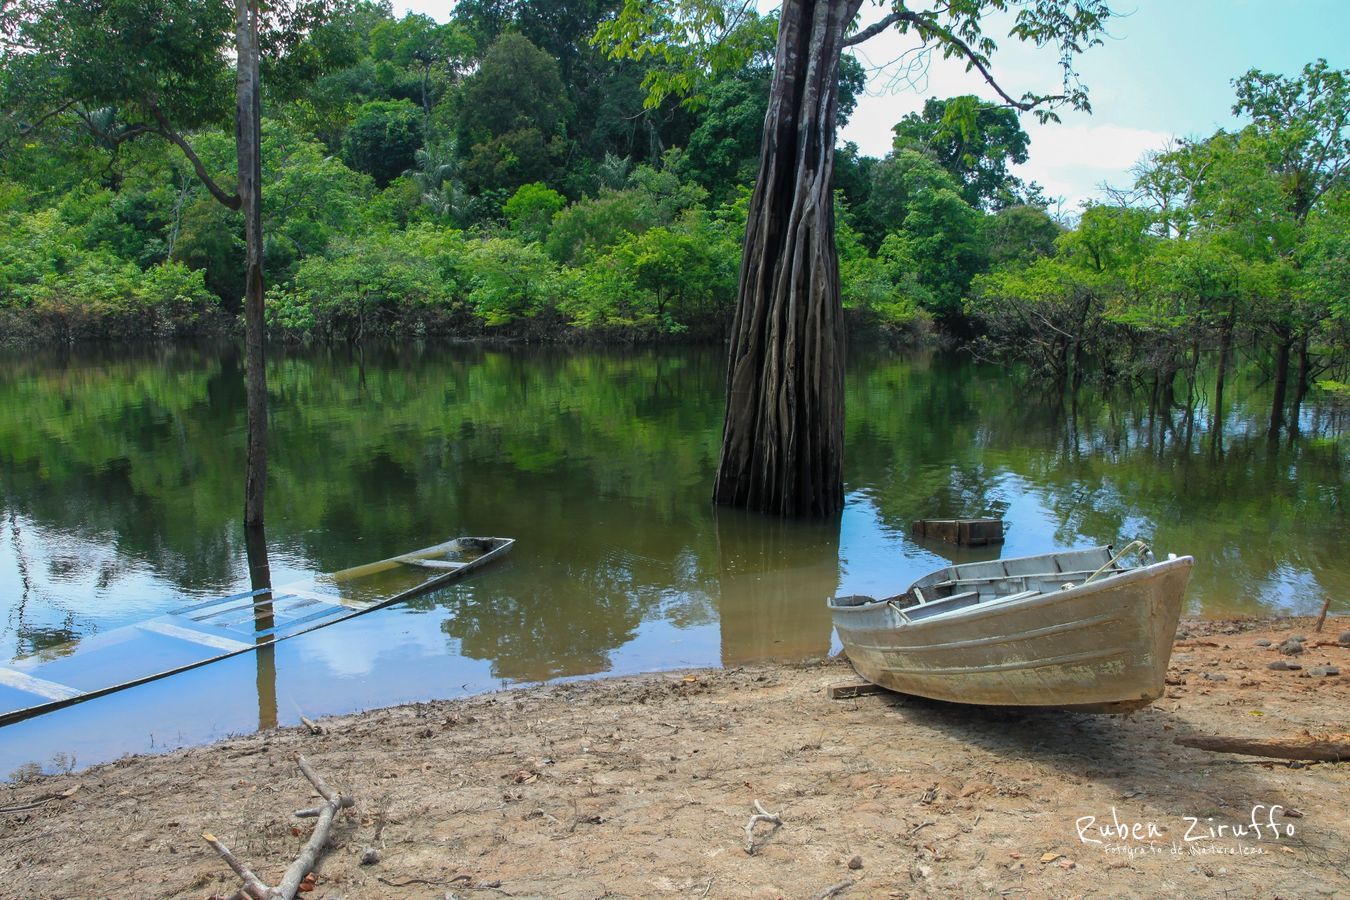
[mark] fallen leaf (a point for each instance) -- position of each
(1050, 857)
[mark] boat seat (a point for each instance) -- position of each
(1011, 598)
(435, 563)
(945, 605)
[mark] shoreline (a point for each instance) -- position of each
(643, 785)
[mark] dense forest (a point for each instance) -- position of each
(507, 174)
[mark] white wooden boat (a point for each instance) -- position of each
(1076, 630)
(203, 632)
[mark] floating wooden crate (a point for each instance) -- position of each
(967, 532)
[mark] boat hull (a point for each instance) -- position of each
(1099, 647)
(207, 631)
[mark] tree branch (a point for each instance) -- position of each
(877, 28)
(928, 30)
(230, 201)
(35, 125)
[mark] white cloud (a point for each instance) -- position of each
(1072, 160)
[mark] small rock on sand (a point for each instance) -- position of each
(1292, 647)
(1215, 676)
(1323, 671)
(1264, 643)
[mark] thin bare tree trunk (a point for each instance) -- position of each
(1225, 350)
(782, 439)
(1281, 382)
(248, 142)
(1301, 383)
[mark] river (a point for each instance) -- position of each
(121, 494)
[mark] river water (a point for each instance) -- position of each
(121, 494)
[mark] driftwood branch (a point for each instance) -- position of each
(1322, 616)
(761, 815)
(253, 886)
(839, 888)
(1321, 748)
(309, 854)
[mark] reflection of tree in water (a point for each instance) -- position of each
(578, 452)
(265, 658)
(1263, 519)
(775, 578)
(565, 626)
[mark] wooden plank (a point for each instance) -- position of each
(967, 532)
(853, 689)
(436, 564)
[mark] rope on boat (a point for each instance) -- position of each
(1132, 545)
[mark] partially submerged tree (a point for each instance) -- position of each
(782, 442)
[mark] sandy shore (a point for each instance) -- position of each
(642, 787)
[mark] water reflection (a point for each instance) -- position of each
(774, 579)
(260, 579)
(120, 495)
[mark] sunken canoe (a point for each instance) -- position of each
(1077, 630)
(209, 630)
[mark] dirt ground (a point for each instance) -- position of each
(642, 787)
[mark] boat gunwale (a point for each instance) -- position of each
(995, 607)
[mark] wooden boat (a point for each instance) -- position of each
(206, 631)
(1076, 630)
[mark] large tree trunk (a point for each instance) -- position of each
(248, 143)
(782, 440)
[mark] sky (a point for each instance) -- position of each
(1165, 72)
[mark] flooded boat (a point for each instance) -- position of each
(209, 630)
(1076, 630)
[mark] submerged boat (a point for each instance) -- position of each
(1077, 630)
(209, 630)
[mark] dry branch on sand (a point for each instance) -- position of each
(309, 854)
(761, 815)
(1321, 748)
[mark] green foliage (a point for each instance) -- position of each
(365, 284)
(973, 140)
(517, 87)
(603, 185)
(884, 289)
(510, 280)
(437, 53)
(1020, 234)
(687, 43)
(531, 209)
(591, 226)
(382, 139)
(667, 279)
(73, 287)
